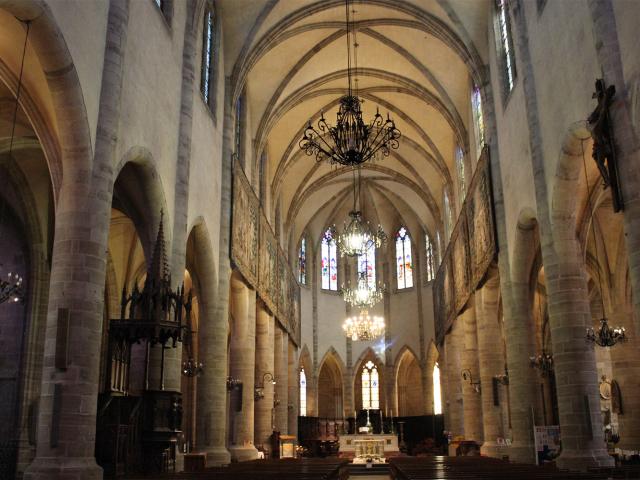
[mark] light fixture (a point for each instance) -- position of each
(542, 362)
(233, 383)
(11, 289)
(191, 368)
(363, 326)
(358, 236)
(364, 295)
(605, 336)
(259, 390)
(467, 377)
(351, 142)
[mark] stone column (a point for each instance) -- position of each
(293, 389)
(491, 362)
(242, 366)
(625, 364)
(453, 344)
(264, 365)
(472, 399)
(280, 362)
(70, 363)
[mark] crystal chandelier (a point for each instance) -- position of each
(363, 327)
(364, 295)
(606, 336)
(358, 236)
(543, 362)
(11, 289)
(351, 142)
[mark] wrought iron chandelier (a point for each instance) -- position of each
(606, 336)
(192, 368)
(542, 362)
(351, 142)
(11, 289)
(364, 327)
(358, 236)
(364, 295)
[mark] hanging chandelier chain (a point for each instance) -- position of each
(350, 90)
(19, 89)
(593, 229)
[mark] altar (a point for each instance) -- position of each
(369, 446)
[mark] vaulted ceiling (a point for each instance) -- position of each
(417, 60)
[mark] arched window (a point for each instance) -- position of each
(303, 393)
(367, 265)
(437, 394)
(504, 45)
(329, 261)
(403, 259)
(439, 248)
(462, 183)
(431, 261)
(447, 215)
(370, 387)
(302, 262)
(478, 119)
(208, 60)
(166, 7)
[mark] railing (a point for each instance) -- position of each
(472, 249)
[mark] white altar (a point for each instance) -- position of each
(369, 446)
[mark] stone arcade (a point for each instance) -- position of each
(180, 300)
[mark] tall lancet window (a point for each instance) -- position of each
(303, 393)
(367, 265)
(478, 118)
(460, 170)
(448, 220)
(504, 47)
(302, 262)
(208, 65)
(437, 394)
(329, 261)
(370, 387)
(430, 257)
(404, 264)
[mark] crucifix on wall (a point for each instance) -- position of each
(604, 149)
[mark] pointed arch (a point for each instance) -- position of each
(404, 259)
(408, 383)
(330, 385)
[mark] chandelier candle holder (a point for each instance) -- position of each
(606, 336)
(542, 362)
(11, 289)
(364, 327)
(358, 236)
(192, 368)
(364, 295)
(351, 142)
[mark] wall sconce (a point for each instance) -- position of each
(543, 362)
(233, 383)
(259, 390)
(503, 378)
(467, 377)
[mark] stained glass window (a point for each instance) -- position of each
(447, 215)
(329, 261)
(238, 133)
(404, 264)
(478, 119)
(505, 45)
(437, 394)
(208, 39)
(370, 387)
(431, 261)
(462, 184)
(303, 393)
(367, 265)
(302, 262)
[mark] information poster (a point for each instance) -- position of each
(547, 440)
